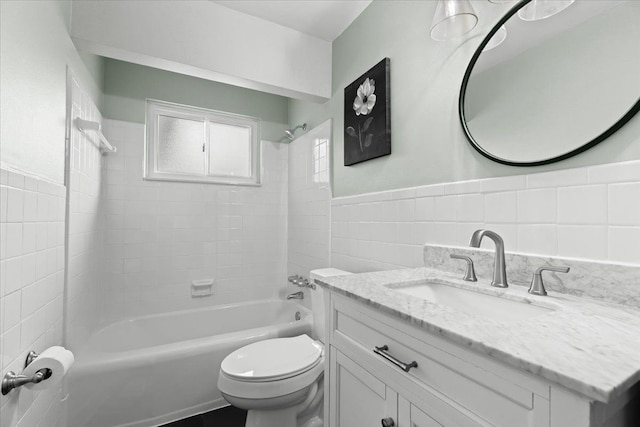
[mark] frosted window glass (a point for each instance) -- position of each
(180, 143)
(229, 150)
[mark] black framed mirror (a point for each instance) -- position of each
(554, 87)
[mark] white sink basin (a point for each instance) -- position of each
(473, 302)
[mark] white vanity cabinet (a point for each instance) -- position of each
(451, 385)
(361, 399)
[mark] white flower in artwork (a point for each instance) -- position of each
(365, 97)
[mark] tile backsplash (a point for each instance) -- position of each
(32, 234)
(589, 213)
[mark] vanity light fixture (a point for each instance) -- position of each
(541, 9)
(497, 38)
(452, 19)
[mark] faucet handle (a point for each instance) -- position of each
(537, 285)
(301, 282)
(470, 274)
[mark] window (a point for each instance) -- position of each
(193, 144)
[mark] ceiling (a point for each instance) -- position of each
(325, 19)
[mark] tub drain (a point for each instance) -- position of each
(298, 315)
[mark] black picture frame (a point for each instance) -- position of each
(367, 115)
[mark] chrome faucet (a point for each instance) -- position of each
(296, 295)
(499, 266)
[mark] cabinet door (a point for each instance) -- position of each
(410, 415)
(358, 399)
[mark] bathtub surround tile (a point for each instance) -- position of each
(159, 236)
(536, 213)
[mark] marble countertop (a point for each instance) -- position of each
(586, 346)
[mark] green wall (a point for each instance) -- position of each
(127, 86)
(428, 144)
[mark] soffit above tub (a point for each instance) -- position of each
(206, 40)
(325, 19)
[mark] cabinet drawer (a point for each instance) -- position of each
(484, 398)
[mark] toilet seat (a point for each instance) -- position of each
(273, 359)
(278, 373)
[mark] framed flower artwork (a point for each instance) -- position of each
(367, 116)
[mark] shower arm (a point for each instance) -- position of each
(289, 133)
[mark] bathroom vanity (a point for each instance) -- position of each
(507, 358)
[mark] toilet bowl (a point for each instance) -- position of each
(280, 381)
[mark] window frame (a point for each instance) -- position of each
(156, 108)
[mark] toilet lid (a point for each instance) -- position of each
(273, 359)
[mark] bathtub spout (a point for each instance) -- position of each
(296, 295)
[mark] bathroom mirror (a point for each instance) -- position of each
(554, 87)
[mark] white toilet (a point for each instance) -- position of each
(280, 381)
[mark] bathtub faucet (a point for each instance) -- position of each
(296, 295)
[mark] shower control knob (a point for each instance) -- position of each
(388, 422)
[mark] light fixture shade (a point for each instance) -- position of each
(452, 19)
(497, 38)
(541, 9)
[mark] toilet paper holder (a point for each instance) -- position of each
(12, 380)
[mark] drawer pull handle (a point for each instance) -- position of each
(382, 351)
(388, 422)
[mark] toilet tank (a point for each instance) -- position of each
(317, 300)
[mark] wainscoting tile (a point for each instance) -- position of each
(582, 241)
(548, 217)
(624, 204)
(538, 206)
(582, 205)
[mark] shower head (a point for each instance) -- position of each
(290, 132)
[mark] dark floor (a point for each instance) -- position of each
(225, 417)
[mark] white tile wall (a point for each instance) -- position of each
(309, 202)
(589, 213)
(32, 228)
(159, 236)
(85, 230)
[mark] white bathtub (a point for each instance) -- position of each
(152, 370)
